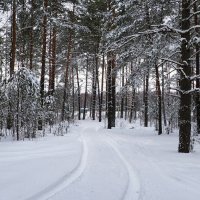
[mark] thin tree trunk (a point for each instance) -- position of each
(163, 98)
(146, 101)
(159, 97)
(132, 99)
(102, 85)
(73, 92)
(111, 90)
(14, 36)
(44, 44)
(12, 59)
(94, 88)
(122, 96)
(106, 100)
(22, 34)
(79, 94)
(31, 36)
(54, 44)
(86, 93)
(135, 108)
(132, 105)
(126, 96)
(53, 52)
(53, 63)
(18, 110)
(50, 60)
(146, 93)
(99, 94)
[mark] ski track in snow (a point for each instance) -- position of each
(132, 191)
(132, 187)
(66, 180)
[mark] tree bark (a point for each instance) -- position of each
(126, 96)
(14, 36)
(79, 94)
(185, 83)
(197, 49)
(31, 36)
(111, 89)
(86, 93)
(94, 87)
(146, 101)
(66, 86)
(18, 111)
(163, 98)
(99, 93)
(44, 44)
(102, 85)
(50, 59)
(73, 92)
(53, 46)
(122, 96)
(53, 63)
(132, 98)
(111, 77)
(159, 99)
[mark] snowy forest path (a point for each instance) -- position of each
(94, 163)
(107, 174)
(133, 188)
(67, 179)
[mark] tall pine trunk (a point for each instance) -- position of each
(111, 89)
(101, 94)
(44, 46)
(12, 59)
(14, 36)
(52, 70)
(163, 98)
(146, 99)
(86, 87)
(159, 100)
(132, 98)
(66, 86)
(73, 92)
(126, 96)
(185, 83)
(94, 88)
(122, 95)
(31, 36)
(79, 94)
(197, 49)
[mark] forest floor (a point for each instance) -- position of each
(93, 163)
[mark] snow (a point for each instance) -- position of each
(91, 162)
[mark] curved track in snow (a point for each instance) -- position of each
(96, 143)
(107, 174)
(132, 191)
(66, 180)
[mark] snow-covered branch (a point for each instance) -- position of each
(172, 61)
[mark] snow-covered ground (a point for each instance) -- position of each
(93, 163)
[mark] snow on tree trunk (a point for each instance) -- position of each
(185, 83)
